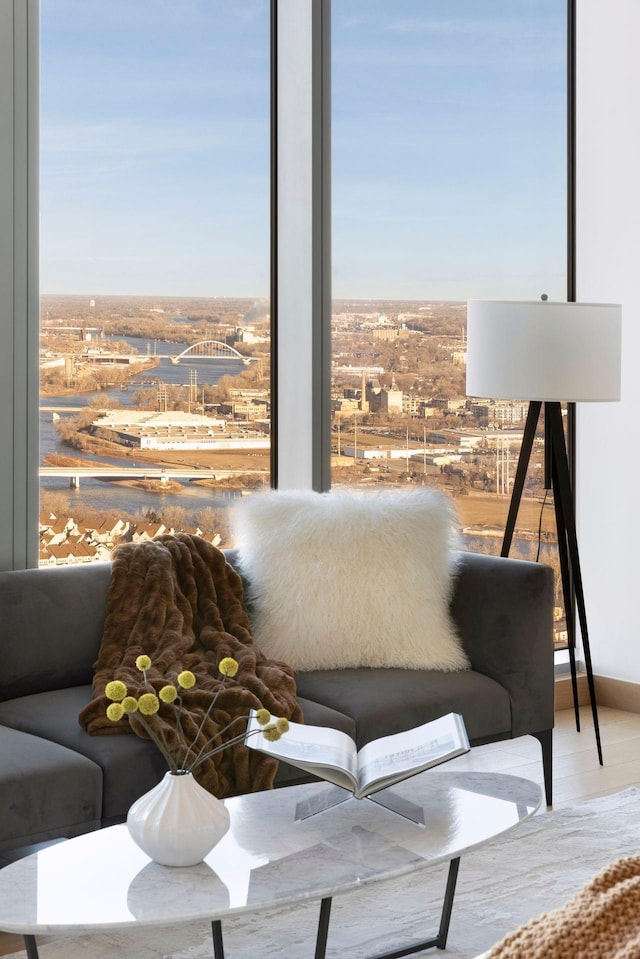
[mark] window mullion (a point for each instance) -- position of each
(19, 282)
(302, 230)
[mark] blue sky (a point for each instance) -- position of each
(448, 148)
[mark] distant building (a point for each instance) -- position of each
(88, 544)
(375, 452)
(499, 413)
(109, 531)
(247, 334)
(171, 430)
(74, 550)
(145, 532)
(56, 531)
(373, 394)
(470, 439)
(347, 405)
(509, 413)
(391, 399)
(386, 334)
(351, 393)
(245, 408)
(413, 405)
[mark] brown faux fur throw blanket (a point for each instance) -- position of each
(178, 601)
(601, 922)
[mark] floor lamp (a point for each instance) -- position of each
(548, 353)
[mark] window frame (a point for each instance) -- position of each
(19, 293)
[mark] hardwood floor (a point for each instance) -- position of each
(577, 774)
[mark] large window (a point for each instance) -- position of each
(449, 183)
(155, 264)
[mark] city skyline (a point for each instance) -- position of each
(155, 148)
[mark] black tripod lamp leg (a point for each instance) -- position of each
(567, 593)
(521, 474)
(563, 491)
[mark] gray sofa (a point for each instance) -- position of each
(56, 780)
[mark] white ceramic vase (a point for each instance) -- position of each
(177, 823)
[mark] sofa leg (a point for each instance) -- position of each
(545, 738)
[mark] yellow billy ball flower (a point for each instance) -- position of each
(271, 733)
(186, 679)
(228, 666)
(168, 694)
(129, 704)
(142, 663)
(148, 704)
(282, 725)
(115, 690)
(115, 712)
(263, 716)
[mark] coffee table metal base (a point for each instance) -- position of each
(31, 947)
(439, 941)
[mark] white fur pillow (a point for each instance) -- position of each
(346, 579)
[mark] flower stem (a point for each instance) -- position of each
(204, 719)
(160, 742)
(242, 737)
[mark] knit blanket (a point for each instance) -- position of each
(178, 601)
(602, 920)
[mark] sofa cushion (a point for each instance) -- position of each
(46, 791)
(386, 701)
(347, 579)
(52, 623)
(130, 765)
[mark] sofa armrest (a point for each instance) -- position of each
(503, 610)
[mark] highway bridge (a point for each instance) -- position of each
(105, 472)
(210, 350)
(63, 409)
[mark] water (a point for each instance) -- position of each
(208, 371)
(107, 497)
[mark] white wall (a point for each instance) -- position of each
(608, 261)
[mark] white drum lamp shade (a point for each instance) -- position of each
(555, 352)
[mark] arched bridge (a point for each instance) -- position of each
(210, 350)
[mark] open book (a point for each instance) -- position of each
(332, 755)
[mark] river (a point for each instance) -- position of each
(104, 496)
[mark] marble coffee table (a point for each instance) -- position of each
(102, 881)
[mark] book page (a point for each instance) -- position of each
(310, 747)
(389, 759)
